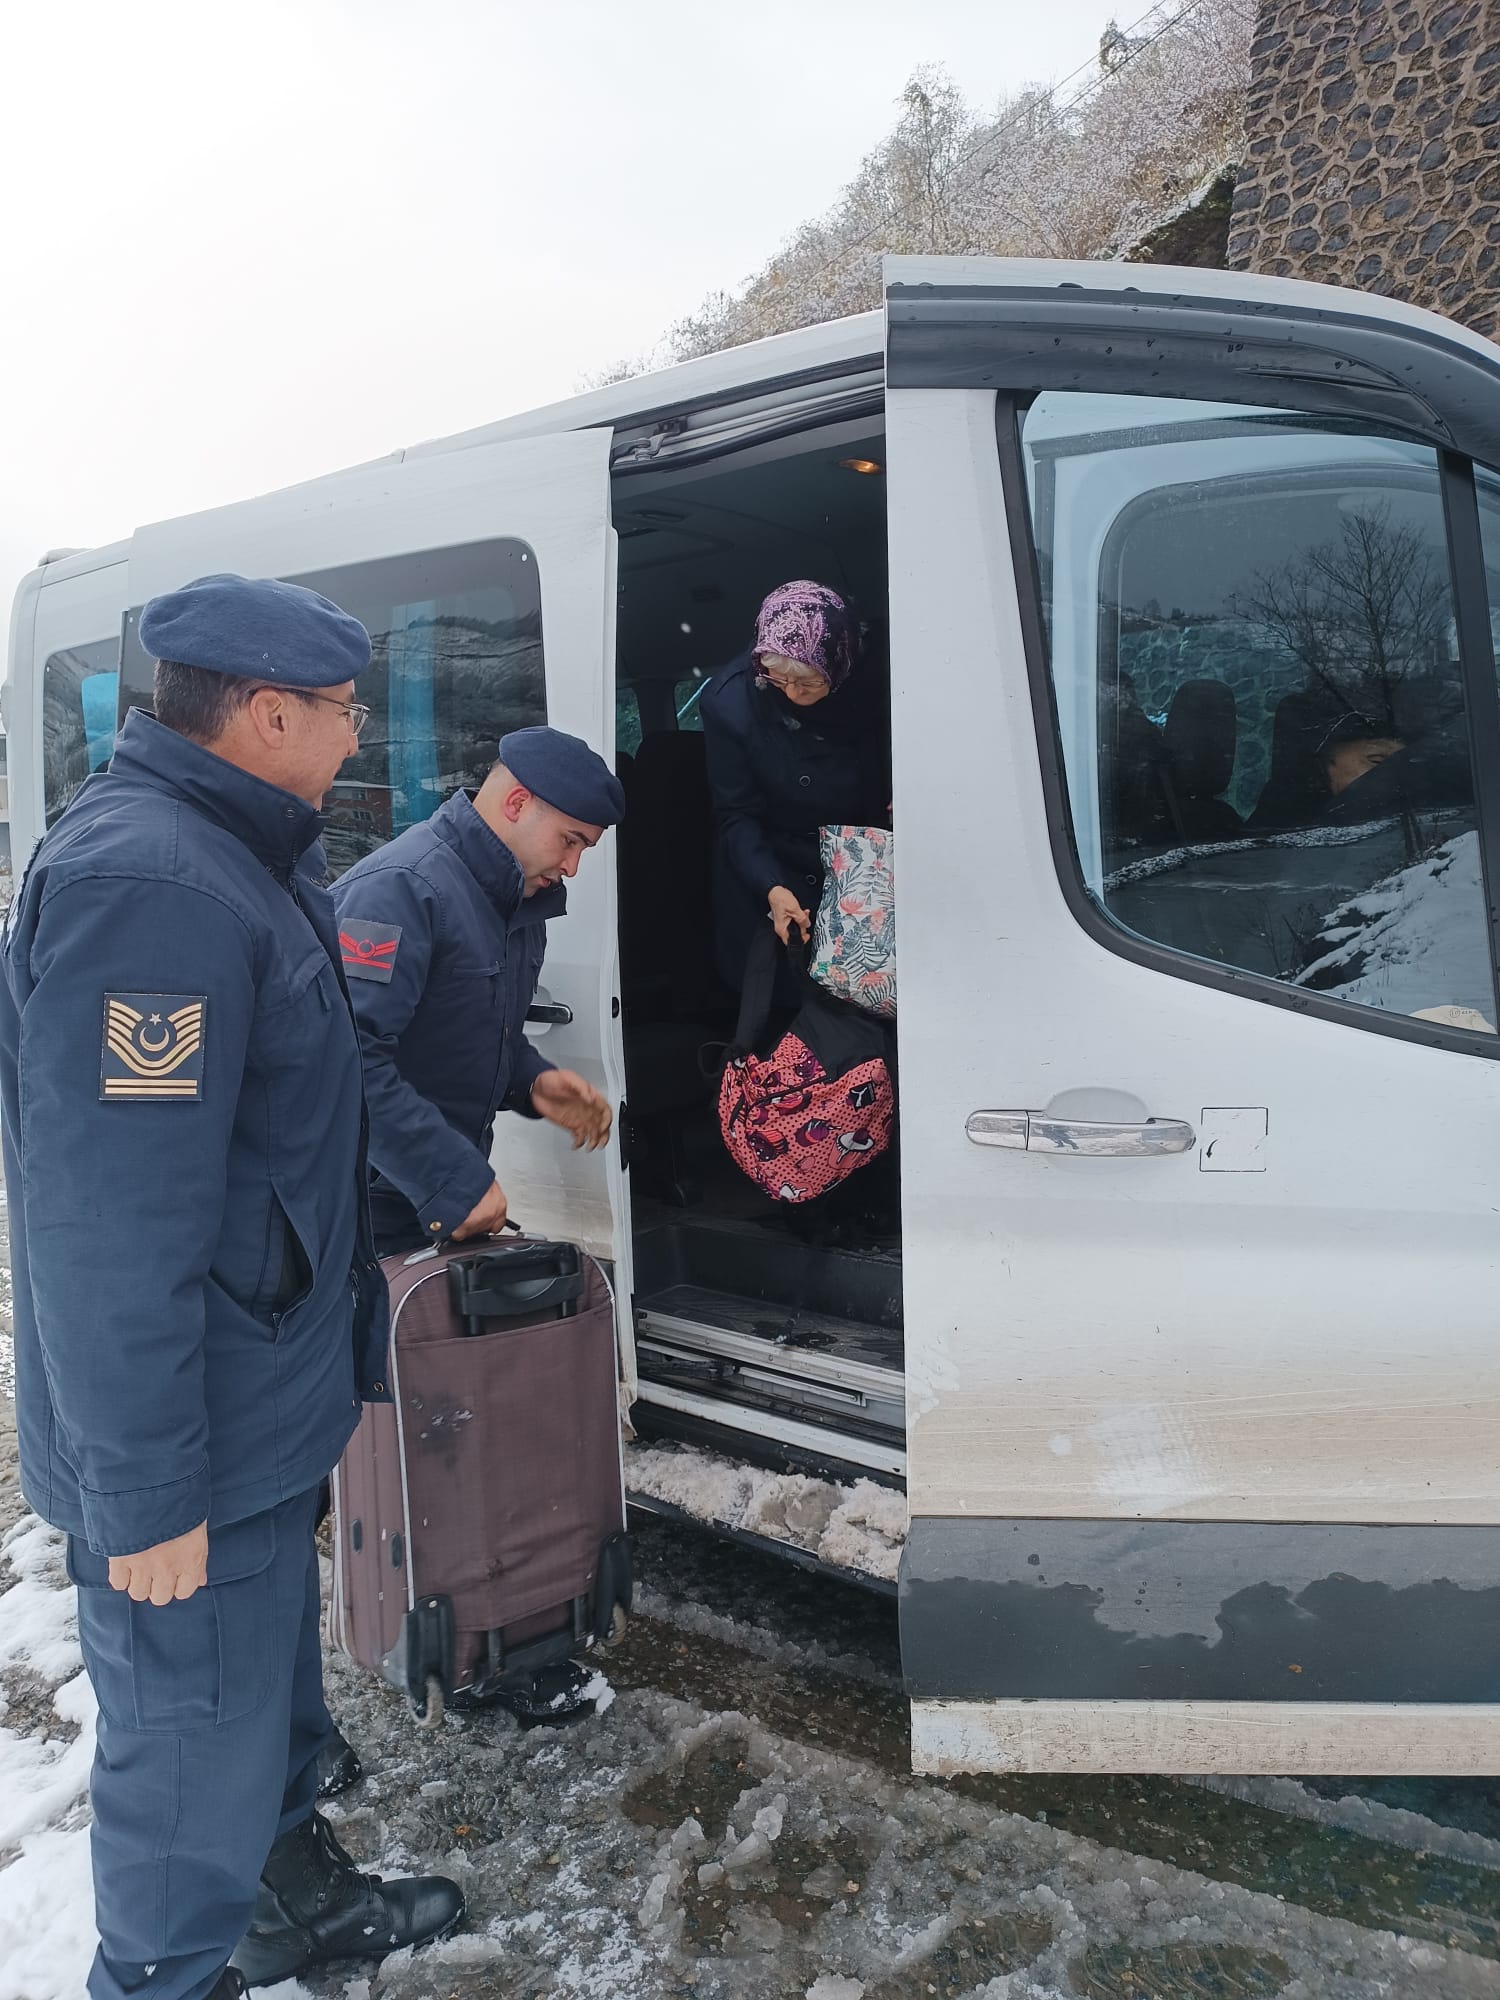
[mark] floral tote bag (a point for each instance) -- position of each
(854, 939)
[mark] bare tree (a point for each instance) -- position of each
(1083, 176)
(1361, 613)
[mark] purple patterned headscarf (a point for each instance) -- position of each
(810, 623)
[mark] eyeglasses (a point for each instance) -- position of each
(356, 713)
(782, 673)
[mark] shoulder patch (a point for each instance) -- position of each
(368, 950)
(153, 1046)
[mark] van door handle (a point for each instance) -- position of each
(1034, 1132)
(549, 1013)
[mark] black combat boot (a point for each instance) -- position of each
(338, 1765)
(315, 1905)
(228, 1985)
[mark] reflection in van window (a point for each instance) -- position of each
(1253, 649)
(627, 722)
(456, 662)
(686, 698)
(79, 692)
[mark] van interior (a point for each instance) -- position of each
(788, 1312)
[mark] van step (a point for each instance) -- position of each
(801, 1332)
(709, 1398)
(822, 1369)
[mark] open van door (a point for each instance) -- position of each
(486, 577)
(1194, 580)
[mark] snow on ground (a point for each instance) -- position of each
(859, 1527)
(39, 1631)
(662, 1848)
(46, 1897)
(748, 1637)
(7, 1345)
(1396, 1826)
(47, 1932)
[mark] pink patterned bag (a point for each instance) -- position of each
(854, 937)
(818, 1105)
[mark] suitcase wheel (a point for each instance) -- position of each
(429, 1713)
(614, 1591)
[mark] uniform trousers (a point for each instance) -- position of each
(211, 1717)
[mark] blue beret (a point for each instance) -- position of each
(566, 773)
(258, 628)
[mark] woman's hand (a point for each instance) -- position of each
(786, 911)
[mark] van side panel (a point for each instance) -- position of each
(1199, 1611)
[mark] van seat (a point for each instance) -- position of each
(1200, 738)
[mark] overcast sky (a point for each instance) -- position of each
(248, 243)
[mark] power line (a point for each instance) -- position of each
(1100, 79)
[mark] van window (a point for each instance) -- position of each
(1253, 649)
(79, 693)
(456, 663)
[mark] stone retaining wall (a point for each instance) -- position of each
(1372, 152)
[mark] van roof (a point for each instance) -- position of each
(816, 351)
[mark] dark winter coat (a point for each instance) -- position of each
(777, 774)
(443, 954)
(197, 1303)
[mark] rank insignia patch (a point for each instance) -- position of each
(153, 1046)
(368, 950)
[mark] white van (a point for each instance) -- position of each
(1187, 1351)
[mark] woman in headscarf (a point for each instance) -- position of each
(797, 738)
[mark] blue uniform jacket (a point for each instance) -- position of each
(777, 774)
(443, 953)
(197, 1302)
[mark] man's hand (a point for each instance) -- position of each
(786, 911)
(565, 1099)
(171, 1569)
(486, 1217)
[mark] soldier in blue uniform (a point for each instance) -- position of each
(443, 932)
(198, 1309)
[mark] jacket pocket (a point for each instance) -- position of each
(288, 1263)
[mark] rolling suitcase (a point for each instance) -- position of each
(479, 1516)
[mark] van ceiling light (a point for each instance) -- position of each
(861, 465)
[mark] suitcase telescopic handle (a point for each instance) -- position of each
(514, 1297)
(514, 1283)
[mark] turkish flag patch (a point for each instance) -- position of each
(368, 950)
